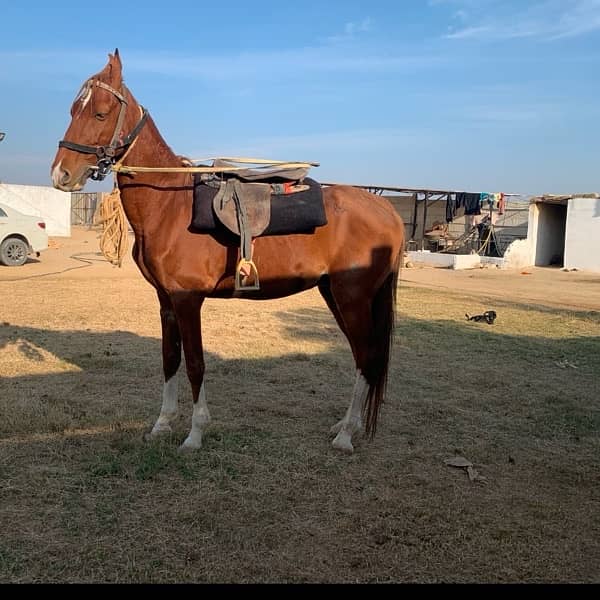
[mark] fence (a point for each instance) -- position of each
(83, 207)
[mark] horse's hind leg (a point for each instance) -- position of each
(354, 321)
(187, 308)
(367, 321)
(171, 358)
(352, 421)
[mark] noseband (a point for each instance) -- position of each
(107, 155)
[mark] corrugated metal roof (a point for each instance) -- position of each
(561, 199)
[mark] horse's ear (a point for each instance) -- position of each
(114, 64)
(118, 59)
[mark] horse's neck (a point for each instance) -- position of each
(150, 149)
(143, 194)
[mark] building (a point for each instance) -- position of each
(563, 231)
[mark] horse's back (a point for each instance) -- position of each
(364, 213)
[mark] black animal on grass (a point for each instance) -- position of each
(489, 316)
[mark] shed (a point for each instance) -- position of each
(563, 231)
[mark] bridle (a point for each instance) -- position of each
(107, 155)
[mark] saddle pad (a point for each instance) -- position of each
(300, 212)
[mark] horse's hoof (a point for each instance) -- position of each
(187, 448)
(150, 436)
(157, 432)
(343, 443)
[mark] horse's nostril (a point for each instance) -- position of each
(66, 176)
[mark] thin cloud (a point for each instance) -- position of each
(468, 32)
(351, 31)
(241, 67)
(289, 63)
(316, 144)
(548, 19)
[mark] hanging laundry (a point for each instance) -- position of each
(471, 202)
(453, 207)
(501, 204)
(486, 197)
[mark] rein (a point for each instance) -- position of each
(107, 154)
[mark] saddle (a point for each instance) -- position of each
(242, 204)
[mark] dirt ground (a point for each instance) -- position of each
(72, 258)
(543, 286)
(84, 498)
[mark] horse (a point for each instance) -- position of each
(354, 259)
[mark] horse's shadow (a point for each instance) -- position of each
(54, 381)
(59, 380)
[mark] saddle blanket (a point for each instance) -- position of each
(298, 212)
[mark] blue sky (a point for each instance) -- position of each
(478, 95)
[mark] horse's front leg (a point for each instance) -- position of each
(171, 356)
(187, 308)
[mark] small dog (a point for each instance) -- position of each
(489, 316)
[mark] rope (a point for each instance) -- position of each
(120, 168)
(110, 214)
(253, 161)
(113, 240)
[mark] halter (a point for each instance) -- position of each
(107, 154)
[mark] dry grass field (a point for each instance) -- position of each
(83, 498)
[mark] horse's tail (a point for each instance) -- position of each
(383, 312)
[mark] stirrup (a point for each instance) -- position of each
(240, 277)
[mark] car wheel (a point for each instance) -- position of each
(13, 252)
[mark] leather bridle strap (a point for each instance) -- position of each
(107, 154)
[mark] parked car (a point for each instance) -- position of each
(20, 236)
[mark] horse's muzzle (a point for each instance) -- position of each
(63, 179)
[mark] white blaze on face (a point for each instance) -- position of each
(57, 174)
(84, 95)
(86, 98)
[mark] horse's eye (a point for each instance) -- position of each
(100, 116)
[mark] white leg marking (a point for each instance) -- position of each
(170, 407)
(200, 419)
(352, 421)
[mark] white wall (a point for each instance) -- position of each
(519, 255)
(52, 205)
(450, 261)
(550, 242)
(582, 234)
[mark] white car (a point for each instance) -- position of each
(20, 236)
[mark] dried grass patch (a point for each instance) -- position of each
(84, 499)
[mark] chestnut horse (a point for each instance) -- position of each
(354, 259)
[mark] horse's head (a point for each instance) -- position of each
(94, 139)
